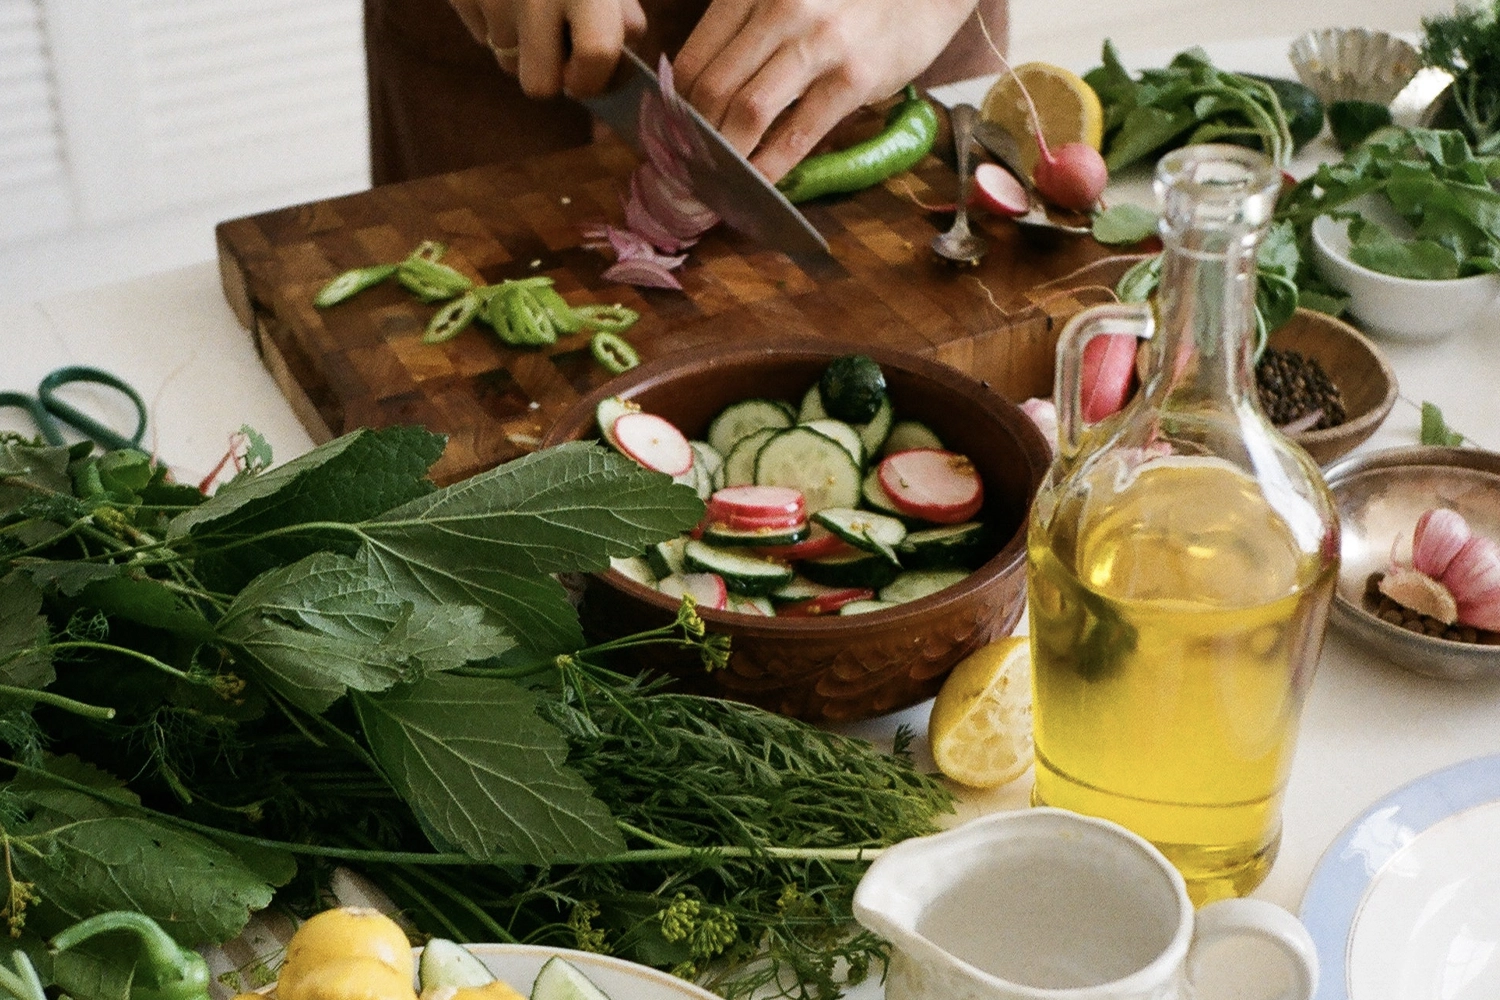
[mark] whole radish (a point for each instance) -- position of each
(1071, 176)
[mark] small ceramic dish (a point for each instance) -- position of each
(1354, 64)
(1383, 305)
(1357, 367)
(1379, 497)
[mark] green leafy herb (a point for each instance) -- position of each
(1466, 43)
(209, 703)
(1435, 430)
(1124, 223)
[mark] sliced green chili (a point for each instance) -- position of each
(430, 281)
(449, 321)
(613, 352)
(351, 283)
(610, 319)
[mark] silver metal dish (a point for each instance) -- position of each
(1380, 495)
(1354, 64)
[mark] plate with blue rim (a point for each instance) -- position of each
(1405, 904)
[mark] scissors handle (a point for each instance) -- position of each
(47, 396)
(38, 413)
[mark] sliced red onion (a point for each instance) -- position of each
(649, 227)
(639, 271)
(671, 203)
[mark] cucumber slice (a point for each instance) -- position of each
(865, 607)
(447, 963)
(908, 434)
(802, 589)
(864, 529)
(562, 980)
(843, 434)
(917, 584)
(739, 420)
(718, 534)
(608, 411)
(666, 557)
(876, 497)
(739, 464)
(711, 461)
(953, 546)
(808, 461)
(874, 433)
(634, 568)
(760, 606)
(861, 569)
(745, 574)
(871, 435)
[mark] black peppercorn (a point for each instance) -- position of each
(1292, 385)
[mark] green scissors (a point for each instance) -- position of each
(50, 413)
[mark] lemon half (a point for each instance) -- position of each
(980, 728)
(1067, 106)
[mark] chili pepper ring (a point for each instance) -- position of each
(910, 130)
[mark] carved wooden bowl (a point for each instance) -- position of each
(832, 667)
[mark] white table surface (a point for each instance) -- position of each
(1368, 728)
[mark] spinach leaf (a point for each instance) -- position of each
(24, 659)
(482, 772)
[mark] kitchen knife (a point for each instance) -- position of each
(722, 179)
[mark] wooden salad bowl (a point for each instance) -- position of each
(833, 668)
(1357, 367)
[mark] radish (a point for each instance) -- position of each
(653, 442)
(932, 484)
(1071, 176)
(819, 544)
(706, 589)
(825, 604)
(1108, 370)
(997, 190)
(745, 508)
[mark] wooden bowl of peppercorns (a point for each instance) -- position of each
(1319, 368)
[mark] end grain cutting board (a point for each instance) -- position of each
(362, 363)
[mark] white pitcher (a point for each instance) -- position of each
(1045, 904)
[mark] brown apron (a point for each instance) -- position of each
(438, 101)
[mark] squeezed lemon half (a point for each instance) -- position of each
(980, 728)
(1067, 107)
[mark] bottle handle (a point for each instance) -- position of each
(1229, 919)
(1134, 319)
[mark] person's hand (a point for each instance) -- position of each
(555, 46)
(774, 76)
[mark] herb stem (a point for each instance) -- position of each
(56, 700)
(146, 658)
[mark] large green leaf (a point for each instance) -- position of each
(491, 539)
(29, 472)
(24, 658)
(482, 772)
(322, 625)
(349, 479)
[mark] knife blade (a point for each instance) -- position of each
(722, 178)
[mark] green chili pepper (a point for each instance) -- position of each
(449, 321)
(613, 352)
(910, 130)
(430, 281)
(610, 319)
(564, 316)
(351, 283)
(167, 971)
(530, 324)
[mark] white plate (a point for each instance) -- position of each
(518, 965)
(1405, 904)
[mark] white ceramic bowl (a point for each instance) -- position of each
(1399, 308)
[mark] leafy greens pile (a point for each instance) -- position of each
(1429, 180)
(206, 705)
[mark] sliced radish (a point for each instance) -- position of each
(654, 443)
(706, 589)
(1108, 372)
(825, 604)
(819, 544)
(997, 190)
(749, 507)
(932, 484)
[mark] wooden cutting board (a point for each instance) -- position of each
(362, 363)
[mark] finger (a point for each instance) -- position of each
(826, 103)
(470, 13)
(721, 23)
(633, 15)
(596, 32)
(539, 32)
